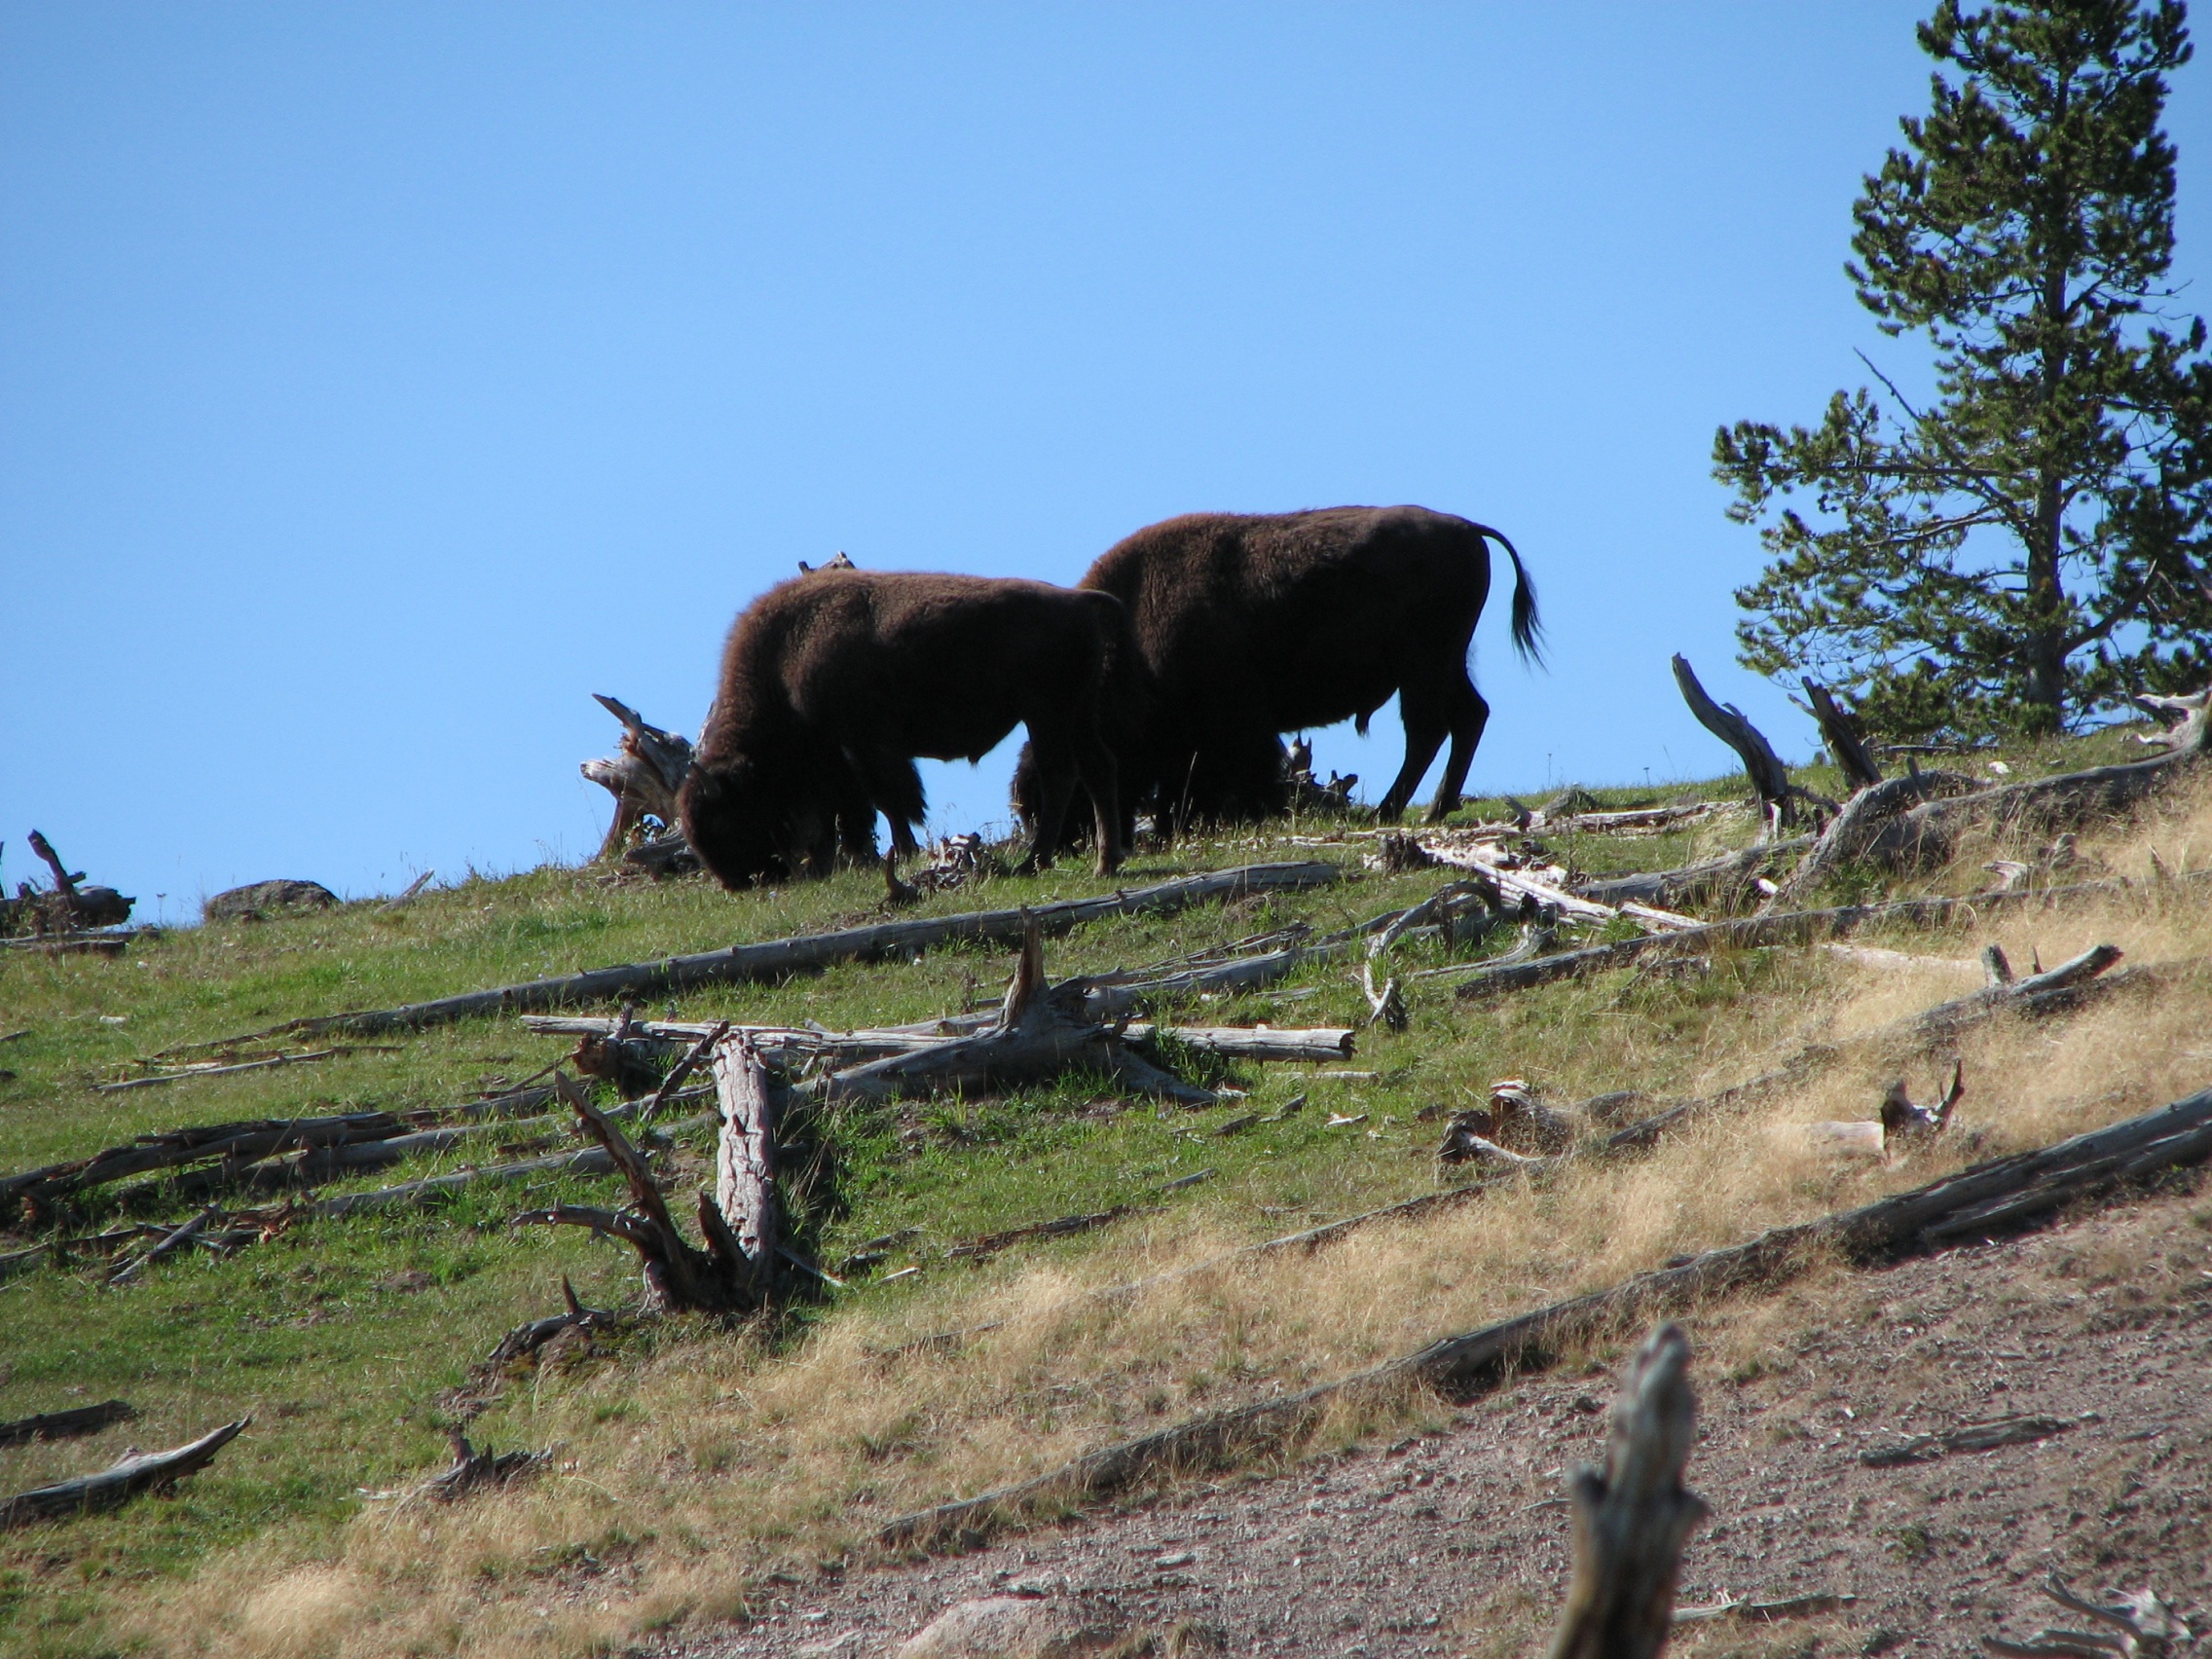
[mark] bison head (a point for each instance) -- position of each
(747, 829)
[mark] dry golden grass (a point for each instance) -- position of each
(690, 1468)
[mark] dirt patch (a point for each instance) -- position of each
(1454, 1541)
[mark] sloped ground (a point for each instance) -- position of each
(1452, 1539)
(701, 1471)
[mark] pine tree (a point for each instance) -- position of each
(2031, 545)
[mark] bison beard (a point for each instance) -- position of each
(1248, 626)
(831, 684)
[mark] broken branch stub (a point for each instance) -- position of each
(1632, 1517)
(1769, 778)
(1844, 735)
(680, 1278)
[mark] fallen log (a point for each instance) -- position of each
(78, 943)
(472, 1468)
(788, 1046)
(1790, 926)
(2143, 1626)
(116, 1486)
(66, 1426)
(1912, 820)
(1632, 1517)
(236, 1143)
(1970, 1437)
(1043, 1032)
(805, 953)
(1867, 826)
(2018, 1187)
(1673, 888)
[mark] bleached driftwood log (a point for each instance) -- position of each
(118, 1484)
(1632, 1517)
(2141, 1625)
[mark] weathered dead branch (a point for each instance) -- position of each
(472, 1468)
(1844, 735)
(116, 1486)
(1632, 1517)
(68, 909)
(643, 777)
(2139, 1626)
(2002, 1192)
(1770, 779)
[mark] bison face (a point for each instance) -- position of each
(748, 828)
(729, 819)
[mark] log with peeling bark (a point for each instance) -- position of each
(1632, 1517)
(116, 1486)
(773, 961)
(2000, 1192)
(1043, 1032)
(724, 1277)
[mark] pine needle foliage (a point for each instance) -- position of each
(2029, 546)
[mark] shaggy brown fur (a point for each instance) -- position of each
(1249, 626)
(832, 682)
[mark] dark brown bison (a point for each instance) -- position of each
(1249, 626)
(832, 682)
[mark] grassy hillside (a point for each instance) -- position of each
(693, 1464)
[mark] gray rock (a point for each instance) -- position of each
(260, 898)
(1013, 1627)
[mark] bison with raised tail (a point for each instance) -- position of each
(1248, 626)
(833, 682)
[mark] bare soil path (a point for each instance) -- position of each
(1454, 1542)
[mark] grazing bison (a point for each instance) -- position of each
(832, 682)
(1248, 626)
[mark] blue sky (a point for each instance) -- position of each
(378, 383)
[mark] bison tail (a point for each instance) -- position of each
(1528, 627)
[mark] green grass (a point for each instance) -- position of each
(340, 1337)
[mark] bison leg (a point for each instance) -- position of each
(1095, 764)
(1425, 728)
(894, 786)
(1469, 715)
(1056, 779)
